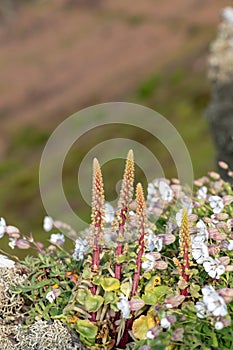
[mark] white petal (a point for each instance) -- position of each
(6, 262)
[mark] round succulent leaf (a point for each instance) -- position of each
(150, 297)
(125, 288)
(81, 295)
(141, 326)
(93, 302)
(87, 329)
(110, 297)
(97, 280)
(109, 284)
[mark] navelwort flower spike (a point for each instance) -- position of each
(126, 195)
(97, 213)
(141, 229)
(185, 250)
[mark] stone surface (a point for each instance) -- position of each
(220, 111)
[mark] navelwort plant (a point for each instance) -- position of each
(147, 275)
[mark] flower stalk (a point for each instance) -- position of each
(185, 250)
(97, 217)
(126, 195)
(141, 217)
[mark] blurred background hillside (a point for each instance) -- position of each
(59, 56)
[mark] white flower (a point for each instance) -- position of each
(57, 238)
(201, 309)
(216, 204)
(12, 242)
(165, 323)
(150, 335)
(149, 263)
(218, 325)
(165, 191)
(123, 306)
(215, 304)
(2, 227)
(200, 251)
(48, 223)
(154, 242)
(202, 193)
(5, 262)
(81, 248)
(227, 14)
(52, 295)
(230, 245)
(213, 267)
(202, 230)
(108, 213)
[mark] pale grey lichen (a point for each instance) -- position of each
(11, 304)
(44, 335)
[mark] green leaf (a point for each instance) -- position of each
(82, 294)
(125, 288)
(120, 259)
(93, 302)
(109, 284)
(97, 280)
(150, 297)
(110, 297)
(87, 329)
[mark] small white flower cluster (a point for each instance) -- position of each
(216, 204)
(81, 248)
(202, 193)
(159, 189)
(200, 252)
(212, 305)
(153, 241)
(57, 238)
(53, 294)
(199, 243)
(123, 306)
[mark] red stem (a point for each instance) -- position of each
(126, 337)
(138, 264)
(185, 267)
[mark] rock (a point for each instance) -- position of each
(220, 74)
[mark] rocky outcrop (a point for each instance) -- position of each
(220, 73)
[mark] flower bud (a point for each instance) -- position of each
(22, 244)
(226, 294)
(178, 334)
(136, 304)
(174, 301)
